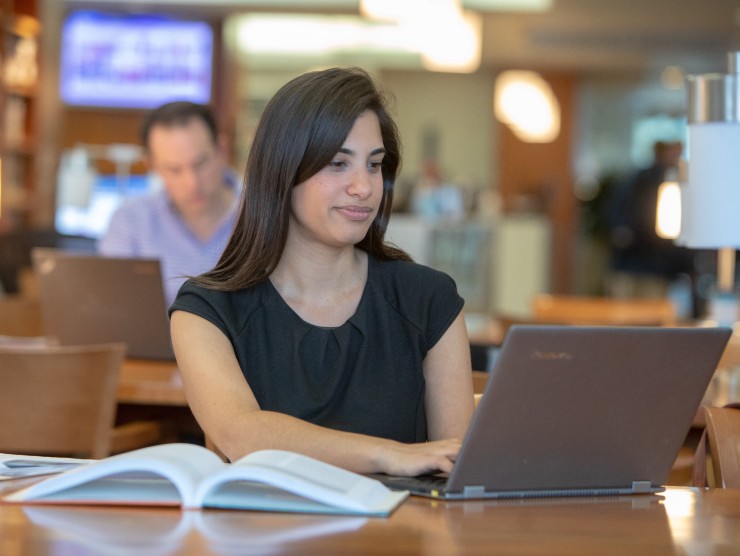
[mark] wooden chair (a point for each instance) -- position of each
(61, 400)
(20, 316)
(723, 434)
(585, 310)
(480, 378)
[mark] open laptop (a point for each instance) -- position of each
(91, 299)
(580, 411)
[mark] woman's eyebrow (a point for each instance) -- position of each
(345, 150)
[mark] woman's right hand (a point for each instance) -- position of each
(396, 458)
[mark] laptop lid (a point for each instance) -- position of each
(583, 411)
(90, 299)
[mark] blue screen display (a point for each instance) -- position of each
(134, 60)
(107, 193)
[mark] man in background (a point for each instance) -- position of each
(642, 263)
(185, 225)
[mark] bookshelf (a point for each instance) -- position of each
(18, 105)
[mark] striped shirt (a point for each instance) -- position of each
(150, 227)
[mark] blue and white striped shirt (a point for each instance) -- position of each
(150, 227)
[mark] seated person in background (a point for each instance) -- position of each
(643, 264)
(433, 198)
(187, 224)
(311, 334)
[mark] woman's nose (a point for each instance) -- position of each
(362, 183)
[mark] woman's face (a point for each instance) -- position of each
(337, 205)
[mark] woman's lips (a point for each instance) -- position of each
(357, 213)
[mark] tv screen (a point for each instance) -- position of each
(134, 60)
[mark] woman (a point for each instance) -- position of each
(311, 334)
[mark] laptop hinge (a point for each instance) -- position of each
(473, 491)
(642, 486)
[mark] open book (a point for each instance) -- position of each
(191, 476)
(13, 466)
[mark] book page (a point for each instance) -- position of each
(166, 474)
(293, 482)
(13, 466)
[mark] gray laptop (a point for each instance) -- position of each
(90, 299)
(580, 411)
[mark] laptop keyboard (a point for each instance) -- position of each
(422, 482)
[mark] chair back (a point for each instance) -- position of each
(20, 316)
(723, 432)
(59, 400)
(586, 310)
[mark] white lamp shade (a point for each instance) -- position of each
(710, 201)
(710, 204)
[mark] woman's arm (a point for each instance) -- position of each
(225, 407)
(449, 384)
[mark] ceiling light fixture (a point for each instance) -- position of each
(525, 102)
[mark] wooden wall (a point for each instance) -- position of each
(539, 176)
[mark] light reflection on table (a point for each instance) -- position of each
(680, 521)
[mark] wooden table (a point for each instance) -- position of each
(150, 382)
(145, 382)
(150, 390)
(683, 521)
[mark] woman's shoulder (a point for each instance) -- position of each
(198, 298)
(399, 279)
(409, 272)
(422, 296)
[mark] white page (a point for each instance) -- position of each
(300, 484)
(164, 474)
(13, 466)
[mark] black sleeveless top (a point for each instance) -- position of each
(364, 376)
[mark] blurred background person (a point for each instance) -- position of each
(187, 223)
(435, 199)
(643, 264)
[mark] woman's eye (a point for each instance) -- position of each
(375, 166)
(337, 164)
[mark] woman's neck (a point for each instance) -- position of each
(322, 288)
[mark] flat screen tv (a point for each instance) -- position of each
(118, 60)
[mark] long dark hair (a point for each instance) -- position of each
(301, 129)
